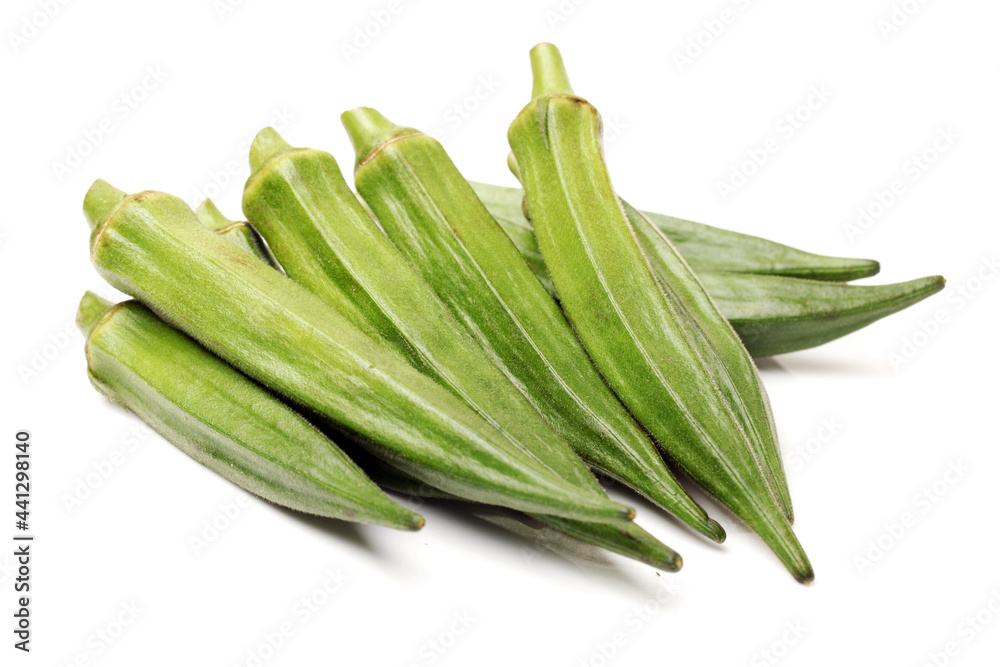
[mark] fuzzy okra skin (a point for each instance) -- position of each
(707, 248)
(666, 351)
(152, 246)
(326, 241)
(428, 209)
(224, 420)
(627, 540)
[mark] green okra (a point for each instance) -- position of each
(224, 420)
(432, 215)
(152, 246)
(627, 540)
(707, 248)
(239, 233)
(327, 242)
(774, 315)
(662, 347)
(771, 314)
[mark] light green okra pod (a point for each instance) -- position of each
(152, 246)
(327, 242)
(433, 216)
(239, 233)
(224, 420)
(666, 351)
(707, 248)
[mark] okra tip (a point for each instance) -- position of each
(368, 129)
(714, 530)
(101, 199)
(211, 216)
(90, 311)
(266, 146)
(548, 72)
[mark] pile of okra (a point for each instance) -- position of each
(433, 337)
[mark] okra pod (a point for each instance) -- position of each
(327, 242)
(772, 314)
(224, 420)
(432, 215)
(632, 542)
(239, 233)
(152, 246)
(708, 248)
(663, 347)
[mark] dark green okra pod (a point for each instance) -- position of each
(666, 351)
(222, 419)
(152, 246)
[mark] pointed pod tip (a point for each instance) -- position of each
(101, 199)
(805, 577)
(266, 146)
(715, 531)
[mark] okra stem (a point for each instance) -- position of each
(549, 72)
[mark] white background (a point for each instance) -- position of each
(680, 131)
